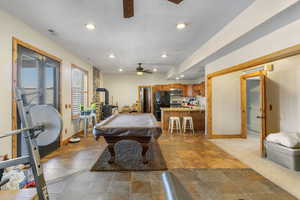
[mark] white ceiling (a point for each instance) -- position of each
(142, 38)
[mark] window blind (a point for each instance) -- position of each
(79, 90)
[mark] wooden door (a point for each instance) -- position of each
(262, 111)
(263, 116)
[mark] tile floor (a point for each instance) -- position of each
(188, 157)
(247, 150)
(179, 152)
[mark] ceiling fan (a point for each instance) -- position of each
(140, 70)
(128, 7)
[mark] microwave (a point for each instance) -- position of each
(176, 92)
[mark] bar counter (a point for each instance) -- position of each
(197, 114)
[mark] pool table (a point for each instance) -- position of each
(139, 127)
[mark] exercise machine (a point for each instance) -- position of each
(41, 126)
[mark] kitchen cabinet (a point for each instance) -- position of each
(188, 90)
(176, 86)
(198, 89)
(202, 89)
(164, 87)
(185, 91)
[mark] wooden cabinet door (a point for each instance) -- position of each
(189, 90)
(198, 89)
(195, 90)
(165, 88)
(202, 89)
(185, 91)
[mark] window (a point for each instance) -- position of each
(79, 90)
(38, 73)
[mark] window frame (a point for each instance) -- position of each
(15, 43)
(86, 72)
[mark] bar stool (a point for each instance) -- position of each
(174, 123)
(188, 124)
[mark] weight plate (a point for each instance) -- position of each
(52, 121)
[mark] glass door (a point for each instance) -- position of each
(36, 72)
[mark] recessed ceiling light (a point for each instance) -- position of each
(90, 26)
(177, 78)
(155, 70)
(120, 70)
(181, 26)
(181, 75)
(164, 55)
(112, 55)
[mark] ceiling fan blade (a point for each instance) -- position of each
(147, 71)
(176, 1)
(128, 7)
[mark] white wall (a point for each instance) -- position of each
(226, 104)
(283, 93)
(12, 27)
(123, 88)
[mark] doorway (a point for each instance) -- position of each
(145, 99)
(253, 106)
(35, 72)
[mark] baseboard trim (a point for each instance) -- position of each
(222, 136)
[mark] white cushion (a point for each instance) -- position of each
(291, 140)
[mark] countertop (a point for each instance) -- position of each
(181, 109)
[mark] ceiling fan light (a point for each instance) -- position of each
(140, 73)
(154, 70)
(120, 70)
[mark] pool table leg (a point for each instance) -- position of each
(145, 147)
(111, 149)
